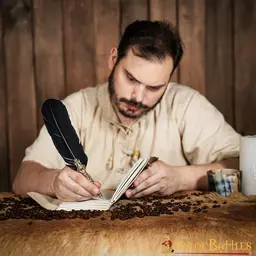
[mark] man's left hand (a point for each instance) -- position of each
(158, 179)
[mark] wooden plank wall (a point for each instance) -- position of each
(55, 47)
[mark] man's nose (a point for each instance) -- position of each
(139, 92)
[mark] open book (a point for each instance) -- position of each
(109, 197)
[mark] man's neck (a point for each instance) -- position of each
(122, 119)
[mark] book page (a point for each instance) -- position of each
(124, 180)
(107, 193)
(129, 178)
(50, 203)
(98, 204)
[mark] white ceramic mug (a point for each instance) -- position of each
(248, 164)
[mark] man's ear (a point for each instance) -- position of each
(112, 58)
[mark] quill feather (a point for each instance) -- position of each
(63, 134)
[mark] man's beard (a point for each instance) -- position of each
(143, 109)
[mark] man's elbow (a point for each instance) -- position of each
(17, 182)
(15, 186)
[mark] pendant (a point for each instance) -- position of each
(135, 157)
(109, 164)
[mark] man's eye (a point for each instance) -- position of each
(153, 89)
(131, 79)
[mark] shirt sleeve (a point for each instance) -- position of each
(43, 150)
(206, 136)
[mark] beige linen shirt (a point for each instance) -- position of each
(184, 128)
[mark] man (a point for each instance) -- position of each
(138, 113)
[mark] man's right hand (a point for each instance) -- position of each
(70, 185)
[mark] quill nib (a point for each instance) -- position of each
(82, 169)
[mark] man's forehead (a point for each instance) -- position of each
(148, 71)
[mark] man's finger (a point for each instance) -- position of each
(144, 175)
(150, 181)
(67, 195)
(147, 191)
(71, 185)
(97, 184)
(83, 182)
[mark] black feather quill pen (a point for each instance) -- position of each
(64, 136)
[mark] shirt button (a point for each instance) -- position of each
(129, 132)
(127, 151)
(120, 170)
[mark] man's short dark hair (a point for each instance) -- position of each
(152, 40)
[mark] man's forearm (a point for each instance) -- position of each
(34, 177)
(195, 176)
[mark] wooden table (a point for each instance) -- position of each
(229, 229)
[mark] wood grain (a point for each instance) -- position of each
(4, 165)
(192, 29)
(245, 63)
(106, 18)
(219, 57)
(71, 45)
(48, 52)
(164, 10)
(22, 121)
(133, 10)
(79, 44)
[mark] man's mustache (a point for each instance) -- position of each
(133, 103)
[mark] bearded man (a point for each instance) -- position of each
(139, 112)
